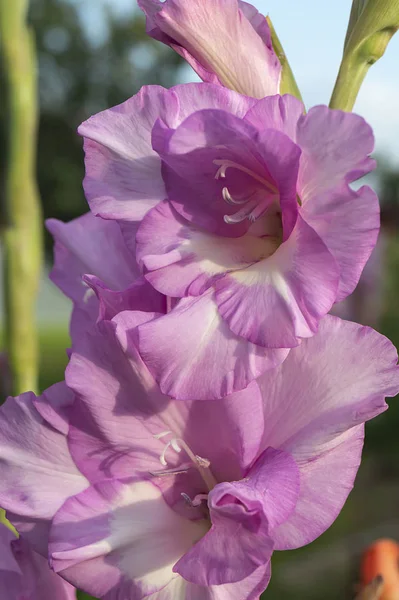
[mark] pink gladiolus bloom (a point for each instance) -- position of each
(227, 42)
(134, 495)
(243, 210)
(25, 575)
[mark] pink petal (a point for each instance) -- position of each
(120, 412)
(120, 536)
(192, 353)
(77, 245)
(7, 560)
(37, 473)
(37, 578)
(282, 157)
(206, 33)
(231, 449)
(335, 150)
(117, 397)
(198, 96)
(249, 588)
(316, 403)
(243, 514)
(282, 298)
(185, 260)
(90, 244)
(331, 382)
(140, 296)
(326, 482)
(120, 409)
(54, 406)
(26, 574)
(348, 222)
(123, 173)
(11, 583)
(277, 112)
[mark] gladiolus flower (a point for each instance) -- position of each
(132, 494)
(246, 215)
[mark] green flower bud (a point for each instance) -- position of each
(371, 26)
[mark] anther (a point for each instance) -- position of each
(187, 499)
(229, 164)
(172, 444)
(227, 197)
(199, 498)
(242, 214)
(203, 462)
(221, 172)
(159, 436)
(179, 471)
(88, 293)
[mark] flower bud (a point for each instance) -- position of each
(371, 26)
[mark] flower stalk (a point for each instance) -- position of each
(22, 231)
(371, 26)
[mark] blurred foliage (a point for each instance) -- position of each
(82, 72)
(382, 432)
(389, 197)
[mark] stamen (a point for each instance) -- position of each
(202, 464)
(187, 499)
(241, 215)
(229, 164)
(227, 197)
(174, 445)
(221, 172)
(199, 498)
(179, 471)
(159, 436)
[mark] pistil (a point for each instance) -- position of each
(200, 463)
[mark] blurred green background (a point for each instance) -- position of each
(82, 71)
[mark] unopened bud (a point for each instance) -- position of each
(371, 26)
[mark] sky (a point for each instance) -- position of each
(312, 33)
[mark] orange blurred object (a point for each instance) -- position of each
(382, 558)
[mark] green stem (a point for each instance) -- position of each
(347, 86)
(23, 227)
